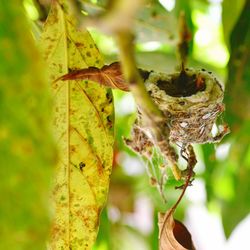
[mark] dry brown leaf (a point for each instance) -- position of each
(173, 234)
(109, 76)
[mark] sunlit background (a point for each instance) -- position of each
(130, 219)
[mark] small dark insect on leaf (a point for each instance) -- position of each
(82, 165)
(109, 76)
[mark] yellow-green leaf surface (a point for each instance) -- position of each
(83, 115)
(27, 152)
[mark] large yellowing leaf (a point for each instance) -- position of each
(83, 121)
(27, 152)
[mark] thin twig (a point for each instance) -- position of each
(184, 39)
(191, 163)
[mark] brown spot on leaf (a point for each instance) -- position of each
(79, 45)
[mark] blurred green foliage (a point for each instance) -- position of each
(238, 117)
(27, 152)
(221, 43)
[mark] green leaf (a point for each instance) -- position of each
(83, 127)
(27, 152)
(238, 88)
(154, 23)
(210, 163)
(238, 115)
(231, 10)
(238, 171)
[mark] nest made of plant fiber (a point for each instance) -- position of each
(191, 100)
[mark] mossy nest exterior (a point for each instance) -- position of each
(191, 105)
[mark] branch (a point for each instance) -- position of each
(154, 117)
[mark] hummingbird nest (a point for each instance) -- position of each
(191, 101)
